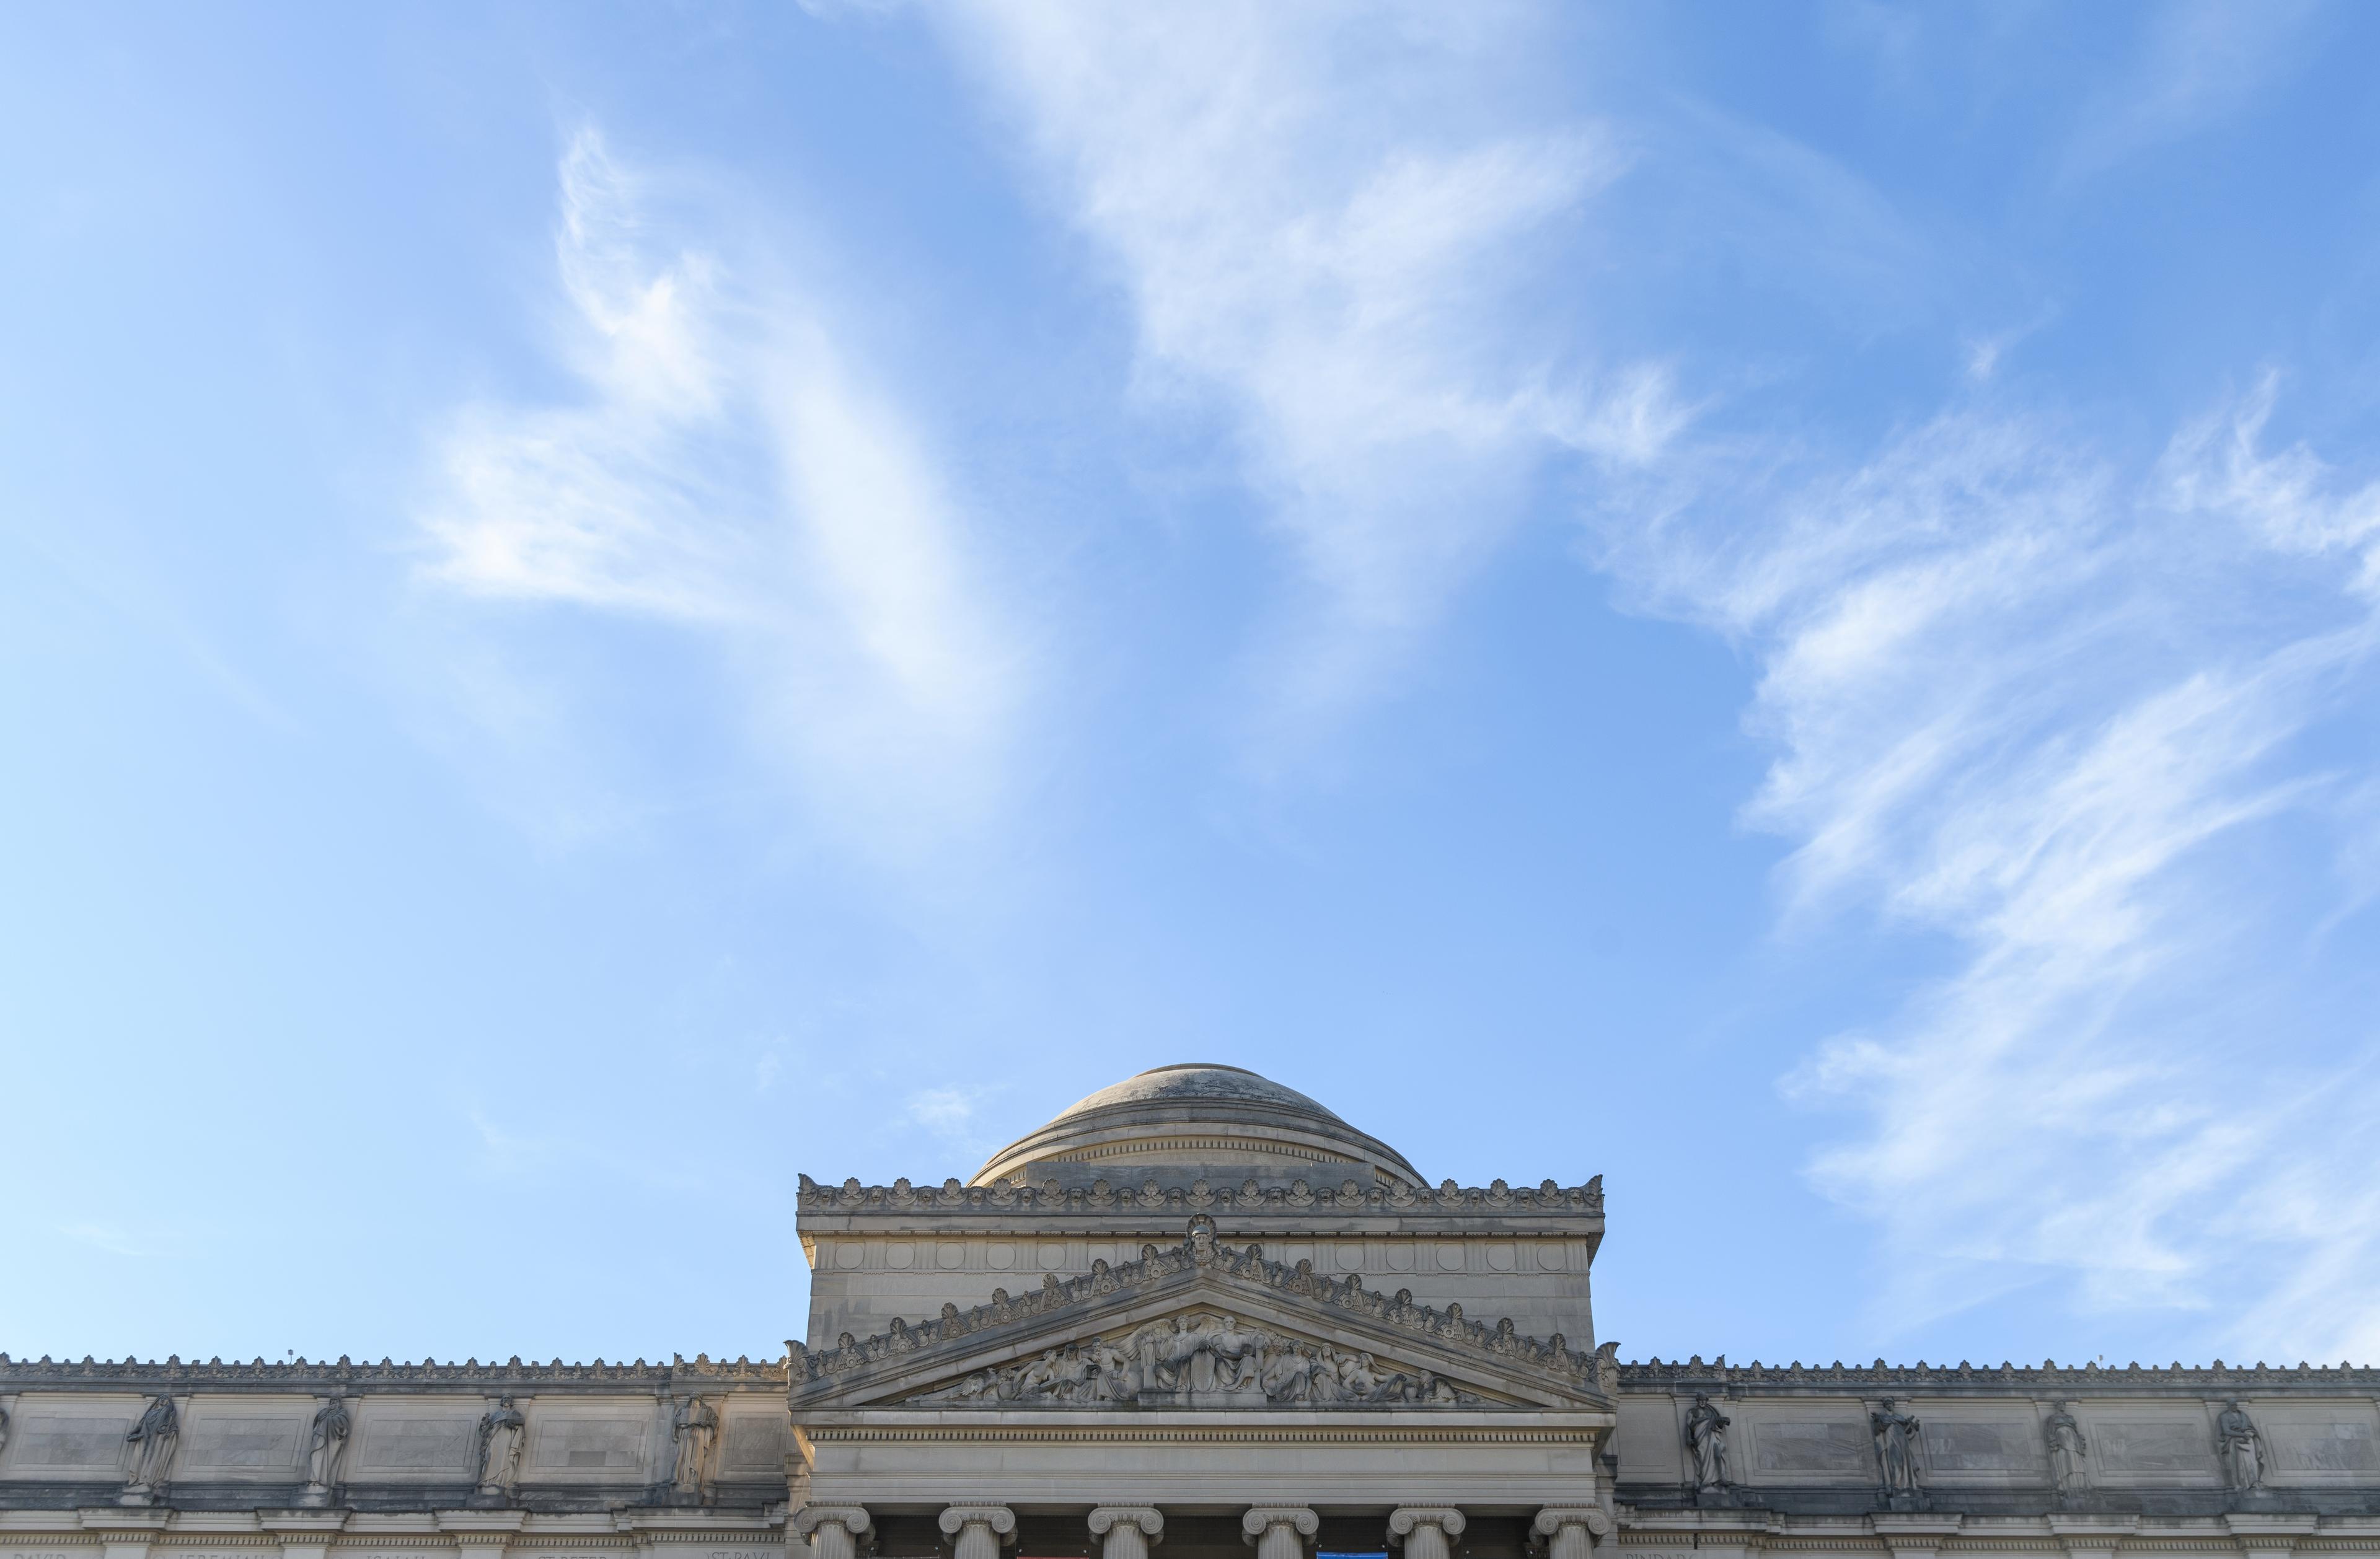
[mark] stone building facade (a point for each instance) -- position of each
(1197, 1310)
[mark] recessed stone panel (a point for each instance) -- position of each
(2333, 1447)
(68, 1441)
(243, 1442)
(2162, 1445)
(1800, 1446)
(1979, 1445)
(590, 1445)
(419, 1444)
(757, 1442)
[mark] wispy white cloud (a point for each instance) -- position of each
(723, 467)
(2053, 717)
(2031, 707)
(1305, 233)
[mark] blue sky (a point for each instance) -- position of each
(602, 607)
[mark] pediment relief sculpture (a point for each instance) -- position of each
(1267, 1333)
(1202, 1360)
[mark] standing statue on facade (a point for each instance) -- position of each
(154, 1436)
(500, 1447)
(2241, 1446)
(1707, 1441)
(1895, 1449)
(694, 1427)
(330, 1445)
(2066, 1451)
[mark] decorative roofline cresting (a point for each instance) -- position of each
(2049, 1376)
(1251, 1196)
(813, 1371)
(302, 1374)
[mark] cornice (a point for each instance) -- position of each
(1404, 1432)
(344, 1374)
(2046, 1379)
(1266, 1199)
(1197, 1253)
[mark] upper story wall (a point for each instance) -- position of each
(594, 1437)
(882, 1253)
(1802, 1440)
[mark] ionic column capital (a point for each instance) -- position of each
(1554, 1518)
(978, 1531)
(957, 1518)
(853, 1518)
(1406, 1518)
(1261, 1518)
(1148, 1518)
(1569, 1531)
(833, 1531)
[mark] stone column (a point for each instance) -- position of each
(977, 1531)
(1571, 1531)
(1279, 1531)
(1126, 1531)
(1428, 1530)
(833, 1531)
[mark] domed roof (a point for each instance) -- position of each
(1213, 1120)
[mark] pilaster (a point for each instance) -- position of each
(304, 1534)
(125, 1532)
(2093, 1537)
(2269, 1537)
(481, 1534)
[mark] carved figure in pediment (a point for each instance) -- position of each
(2241, 1445)
(153, 1438)
(1200, 1361)
(1707, 1441)
(1358, 1376)
(2067, 1450)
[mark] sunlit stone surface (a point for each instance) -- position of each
(1198, 1312)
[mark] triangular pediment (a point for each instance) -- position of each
(1200, 1325)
